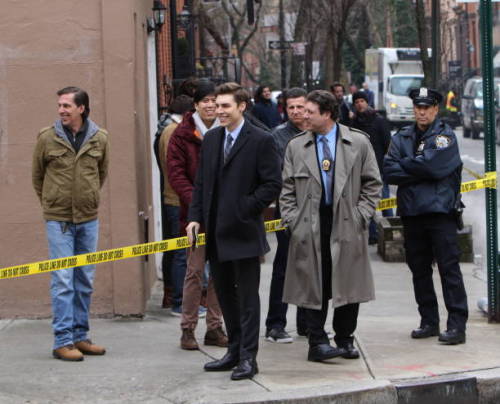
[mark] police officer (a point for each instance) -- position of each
(424, 161)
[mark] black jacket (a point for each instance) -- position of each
(229, 198)
(267, 112)
(378, 130)
(282, 135)
(428, 174)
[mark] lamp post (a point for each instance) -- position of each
(155, 24)
(182, 45)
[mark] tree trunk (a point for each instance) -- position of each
(422, 40)
(296, 69)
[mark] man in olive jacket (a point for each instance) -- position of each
(70, 164)
(331, 186)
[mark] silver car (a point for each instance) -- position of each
(472, 107)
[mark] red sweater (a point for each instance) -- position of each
(183, 156)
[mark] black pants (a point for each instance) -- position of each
(237, 287)
(345, 317)
(434, 237)
(276, 315)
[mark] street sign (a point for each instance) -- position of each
(279, 45)
(299, 48)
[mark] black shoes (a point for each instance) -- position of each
(246, 369)
(227, 362)
(425, 331)
(323, 352)
(278, 335)
(350, 351)
(452, 337)
(303, 332)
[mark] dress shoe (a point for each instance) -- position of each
(425, 331)
(227, 362)
(68, 353)
(216, 337)
(188, 341)
(86, 347)
(246, 369)
(323, 352)
(452, 337)
(350, 351)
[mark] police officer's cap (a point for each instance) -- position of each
(425, 96)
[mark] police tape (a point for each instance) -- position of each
(115, 254)
(41, 267)
(488, 181)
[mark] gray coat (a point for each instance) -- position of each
(357, 188)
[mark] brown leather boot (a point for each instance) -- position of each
(216, 337)
(88, 348)
(188, 341)
(68, 353)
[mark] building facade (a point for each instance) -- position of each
(104, 47)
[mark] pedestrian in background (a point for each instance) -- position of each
(70, 164)
(183, 159)
(376, 126)
(331, 186)
(345, 112)
(173, 262)
(295, 101)
(370, 95)
(424, 162)
(238, 177)
(264, 109)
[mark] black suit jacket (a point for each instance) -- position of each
(242, 187)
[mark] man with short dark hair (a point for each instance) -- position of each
(295, 101)
(345, 114)
(424, 162)
(238, 177)
(70, 164)
(331, 186)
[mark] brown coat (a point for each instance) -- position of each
(169, 195)
(357, 188)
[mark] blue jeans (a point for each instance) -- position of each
(71, 288)
(175, 264)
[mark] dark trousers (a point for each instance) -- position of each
(237, 287)
(276, 315)
(345, 317)
(434, 237)
(173, 262)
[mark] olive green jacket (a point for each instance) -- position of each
(68, 183)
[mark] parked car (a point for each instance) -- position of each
(472, 107)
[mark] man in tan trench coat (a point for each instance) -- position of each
(331, 186)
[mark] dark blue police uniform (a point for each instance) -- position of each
(426, 166)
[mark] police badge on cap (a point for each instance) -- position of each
(425, 96)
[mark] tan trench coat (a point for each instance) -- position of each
(357, 188)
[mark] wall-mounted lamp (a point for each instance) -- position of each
(184, 17)
(155, 23)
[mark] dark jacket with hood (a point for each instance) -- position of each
(377, 129)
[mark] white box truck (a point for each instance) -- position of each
(390, 74)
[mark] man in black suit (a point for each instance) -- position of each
(238, 176)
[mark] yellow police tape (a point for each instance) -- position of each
(41, 267)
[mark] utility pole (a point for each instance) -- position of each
(436, 49)
(282, 40)
(490, 161)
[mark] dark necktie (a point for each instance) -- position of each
(227, 147)
(327, 155)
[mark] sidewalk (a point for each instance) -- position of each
(144, 363)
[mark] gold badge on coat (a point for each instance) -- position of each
(325, 165)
